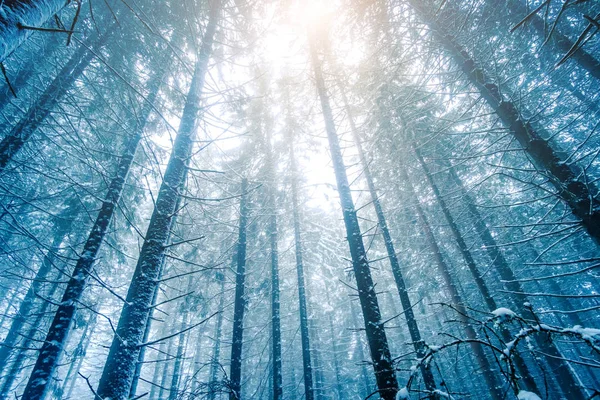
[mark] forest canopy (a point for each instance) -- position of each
(299, 199)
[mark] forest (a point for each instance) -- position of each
(299, 199)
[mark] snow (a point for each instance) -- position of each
(504, 313)
(585, 333)
(402, 394)
(525, 395)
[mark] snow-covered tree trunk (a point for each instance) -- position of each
(473, 268)
(20, 134)
(17, 17)
(124, 351)
(568, 179)
(380, 353)
(58, 332)
(304, 332)
(411, 322)
(62, 227)
(565, 376)
(494, 388)
(237, 336)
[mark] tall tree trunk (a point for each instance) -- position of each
(413, 328)
(29, 337)
(79, 356)
(364, 376)
(494, 388)
(62, 227)
(334, 351)
(60, 327)
(162, 350)
(216, 356)
(177, 366)
(124, 352)
(17, 17)
(567, 178)
(277, 378)
(385, 376)
(304, 333)
(477, 276)
(14, 141)
(564, 374)
(237, 336)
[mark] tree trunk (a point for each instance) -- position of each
(304, 333)
(457, 302)
(564, 374)
(58, 332)
(568, 179)
(477, 277)
(237, 337)
(17, 15)
(216, 356)
(413, 327)
(61, 228)
(380, 354)
(14, 141)
(124, 352)
(177, 367)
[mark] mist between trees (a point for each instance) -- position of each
(385, 199)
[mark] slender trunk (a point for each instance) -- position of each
(237, 337)
(366, 383)
(140, 362)
(162, 349)
(29, 337)
(304, 333)
(216, 356)
(526, 375)
(79, 355)
(61, 228)
(567, 178)
(148, 328)
(413, 328)
(334, 351)
(318, 368)
(60, 327)
(380, 354)
(277, 379)
(165, 372)
(16, 16)
(9, 305)
(455, 298)
(564, 374)
(177, 367)
(124, 352)
(14, 141)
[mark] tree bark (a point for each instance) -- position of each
(564, 374)
(385, 376)
(411, 322)
(494, 388)
(235, 370)
(304, 332)
(120, 366)
(569, 180)
(14, 141)
(17, 15)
